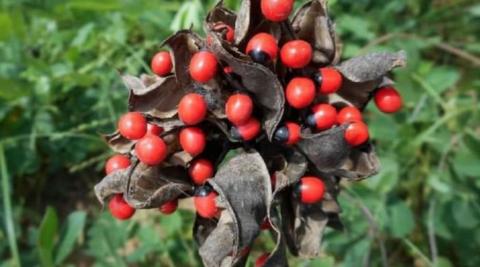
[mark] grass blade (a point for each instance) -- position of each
(7, 206)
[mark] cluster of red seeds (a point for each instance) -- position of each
(300, 93)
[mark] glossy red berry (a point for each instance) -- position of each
(192, 140)
(154, 129)
(356, 133)
(203, 66)
(205, 202)
(162, 63)
(294, 133)
(288, 134)
(324, 117)
(388, 100)
(151, 150)
(260, 262)
(296, 54)
(329, 80)
(266, 225)
(300, 92)
(117, 162)
(311, 189)
(132, 125)
(239, 108)
(247, 131)
(262, 47)
(229, 31)
(119, 208)
(200, 170)
(349, 114)
(192, 109)
(169, 207)
(276, 10)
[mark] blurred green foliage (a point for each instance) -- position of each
(59, 87)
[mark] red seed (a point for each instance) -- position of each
(161, 63)
(294, 133)
(312, 189)
(192, 109)
(203, 66)
(154, 129)
(151, 150)
(296, 54)
(192, 140)
(132, 125)
(349, 114)
(263, 43)
(300, 92)
(250, 129)
(200, 170)
(169, 207)
(330, 80)
(117, 162)
(276, 10)
(119, 208)
(206, 205)
(325, 116)
(356, 133)
(388, 100)
(239, 108)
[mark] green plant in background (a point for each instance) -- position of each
(59, 63)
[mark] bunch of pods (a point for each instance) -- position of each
(257, 123)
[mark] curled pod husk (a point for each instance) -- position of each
(294, 168)
(145, 186)
(243, 186)
(312, 24)
(363, 74)
(153, 96)
(305, 224)
(327, 150)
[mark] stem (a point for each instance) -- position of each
(431, 233)
(421, 138)
(12, 242)
(417, 251)
(350, 194)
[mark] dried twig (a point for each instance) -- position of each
(373, 225)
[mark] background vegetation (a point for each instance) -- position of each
(59, 87)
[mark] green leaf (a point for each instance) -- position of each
(357, 26)
(442, 78)
(47, 236)
(473, 143)
(171, 224)
(73, 227)
(327, 261)
(465, 162)
(105, 238)
(463, 215)
(401, 220)
(443, 262)
(440, 181)
(386, 180)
